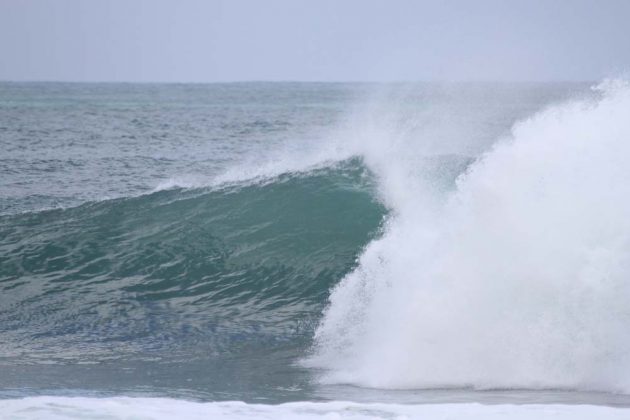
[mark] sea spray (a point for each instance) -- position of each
(518, 278)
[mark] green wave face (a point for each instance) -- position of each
(180, 273)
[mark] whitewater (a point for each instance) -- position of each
(315, 251)
(516, 279)
(83, 408)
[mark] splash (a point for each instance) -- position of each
(519, 277)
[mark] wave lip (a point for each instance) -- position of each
(518, 278)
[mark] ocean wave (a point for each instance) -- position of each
(181, 268)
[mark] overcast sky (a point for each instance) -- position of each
(316, 40)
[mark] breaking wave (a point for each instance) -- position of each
(519, 277)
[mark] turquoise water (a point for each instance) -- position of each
(183, 240)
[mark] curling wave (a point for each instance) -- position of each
(205, 269)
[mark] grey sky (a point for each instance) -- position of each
(213, 40)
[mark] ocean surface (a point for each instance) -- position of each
(311, 250)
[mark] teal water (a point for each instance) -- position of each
(183, 240)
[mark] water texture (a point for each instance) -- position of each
(274, 242)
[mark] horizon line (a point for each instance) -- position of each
(272, 81)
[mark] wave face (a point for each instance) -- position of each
(516, 278)
(184, 270)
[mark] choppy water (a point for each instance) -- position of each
(183, 241)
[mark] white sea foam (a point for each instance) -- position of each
(520, 277)
(57, 408)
